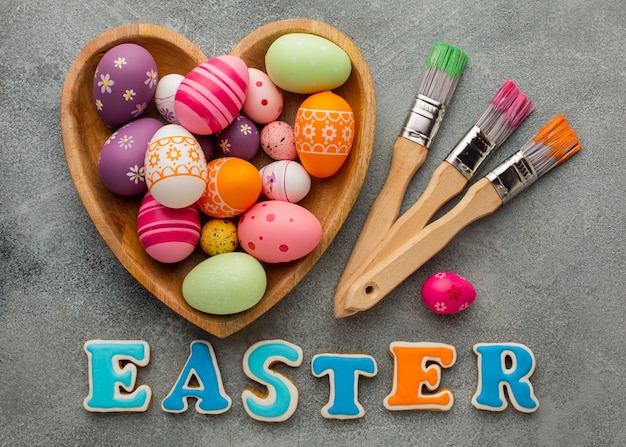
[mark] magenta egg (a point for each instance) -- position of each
(124, 84)
(447, 293)
(209, 98)
(168, 235)
(276, 231)
(240, 139)
(121, 160)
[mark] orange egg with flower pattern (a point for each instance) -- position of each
(324, 132)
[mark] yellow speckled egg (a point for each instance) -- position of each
(218, 236)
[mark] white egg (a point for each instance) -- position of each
(164, 96)
(285, 180)
(175, 167)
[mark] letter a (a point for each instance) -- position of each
(210, 394)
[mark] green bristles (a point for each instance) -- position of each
(443, 70)
(447, 59)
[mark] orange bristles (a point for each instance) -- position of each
(555, 143)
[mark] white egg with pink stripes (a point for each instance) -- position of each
(168, 235)
(212, 94)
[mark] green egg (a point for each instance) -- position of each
(306, 63)
(225, 284)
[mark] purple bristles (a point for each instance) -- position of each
(505, 112)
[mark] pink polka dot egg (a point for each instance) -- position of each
(447, 293)
(276, 231)
(264, 101)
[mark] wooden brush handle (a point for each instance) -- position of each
(389, 271)
(445, 183)
(407, 157)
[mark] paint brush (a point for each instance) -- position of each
(501, 117)
(443, 70)
(555, 143)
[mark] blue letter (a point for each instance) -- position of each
(343, 371)
(281, 399)
(210, 394)
(107, 377)
(494, 375)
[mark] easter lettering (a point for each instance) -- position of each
(417, 375)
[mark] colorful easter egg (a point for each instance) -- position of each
(165, 94)
(277, 141)
(208, 145)
(264, 101)
(124, 84)
(306, 63)
(447, 293)
(212, 94)
(168, 235)
(276, 231)
(218, 236)
(121, 160)
(175, 167)
(324, 132)
(285, 180)
(225, 284)
(239, 139)
(233, 186)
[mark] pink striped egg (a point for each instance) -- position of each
(212, 94)
(168, 235)
(175, 167)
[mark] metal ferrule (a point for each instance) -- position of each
(512, 176)
(470, 152)
(423, 121)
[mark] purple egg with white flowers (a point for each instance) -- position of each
(124, 84)
(239, 139)
(121, 159)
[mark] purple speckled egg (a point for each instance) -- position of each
(121, 160)
(447, 293)
(168, 235)
(277, 141)
(240, 139)
(124, 84)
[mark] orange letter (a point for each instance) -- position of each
(418, 365)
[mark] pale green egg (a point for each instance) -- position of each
(225, 284)
(306, 63)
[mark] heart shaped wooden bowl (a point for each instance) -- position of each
(115, 216)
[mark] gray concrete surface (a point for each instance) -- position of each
(549, 266)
